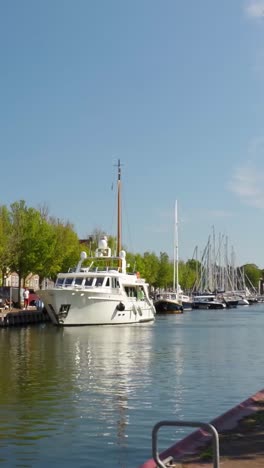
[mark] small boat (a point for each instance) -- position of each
(207, 301)
(186, 301)
(173, 302)
(242, 301)
(167, 303)
(229, 299)
(103, 293)
(230, 303)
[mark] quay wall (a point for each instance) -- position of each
(22, 317)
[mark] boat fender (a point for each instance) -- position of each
(120, 306)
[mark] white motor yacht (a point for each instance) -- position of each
(103, 293)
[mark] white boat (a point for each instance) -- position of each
(243, 301)
(103, 293)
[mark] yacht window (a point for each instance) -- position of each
(99, 281)
(107, 283)
(88, 281)
(78, 281)
(59, 281)
(68, 281)
(115, 283)
(131, 291)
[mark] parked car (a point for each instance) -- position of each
(33, 298)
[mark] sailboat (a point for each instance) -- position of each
(102, 293)
(185, 300)
(170, 302)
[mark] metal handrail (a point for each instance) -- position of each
(207, 427)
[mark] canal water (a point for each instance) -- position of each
(89, 396)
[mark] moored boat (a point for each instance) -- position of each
(103, 293)
(207, 301)
(230, 300)
(173, 301)
(186, 301)
(167, 303)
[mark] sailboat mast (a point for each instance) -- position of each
(176, 253)
(119, 208)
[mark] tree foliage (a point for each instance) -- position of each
(165, 272)
(66, 248)
(33, 242)
(5, 231)
(252, 275)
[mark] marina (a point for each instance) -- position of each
(95, 393)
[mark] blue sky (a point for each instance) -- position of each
(172, 88)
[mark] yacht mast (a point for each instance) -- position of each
(176, 254)
(119, 209)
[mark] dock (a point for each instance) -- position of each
(21, 317)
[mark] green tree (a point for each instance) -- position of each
(5, 231)
(46, 249)
(39, 246)
(252, 275)
(26, 246)
(165, 272)
(151, 268)
(190, 274)
(65, 249)
(139, 265)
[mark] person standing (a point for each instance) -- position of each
(26, 297)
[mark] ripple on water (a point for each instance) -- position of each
(86, 395)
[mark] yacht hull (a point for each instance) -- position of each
(67, 307)
(164, 306)
(208, 305)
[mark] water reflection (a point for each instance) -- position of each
(108, 362)
(91, 395)
(75, 381)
